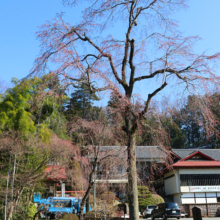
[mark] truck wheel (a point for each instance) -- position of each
(58, 215)
(51, 216)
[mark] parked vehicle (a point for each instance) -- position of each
(166, 210)
(148, 210)
(183, 215)
(183, 211)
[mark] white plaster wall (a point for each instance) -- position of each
(199, 171)
(177, 181)
(184, 189)
(169, 174)
(177, 198)
(211, 200)
(200, 200)
(188, 200)
(170, 186)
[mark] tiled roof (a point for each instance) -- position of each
(55, 173)
(195, 164)
(200, 154)
(150, 152)
(143, 152)
(213, 153)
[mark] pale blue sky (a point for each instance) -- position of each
(19, 20)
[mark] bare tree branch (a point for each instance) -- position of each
(150, 97)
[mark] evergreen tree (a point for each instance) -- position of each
(190, 123)
(214, 139)
(14, 113)
(32, 106)
(177, 138)
(81, 103)
(144, 197)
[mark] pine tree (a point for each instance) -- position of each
(144, 197)
(81, 103)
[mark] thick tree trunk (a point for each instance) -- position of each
(81, 214)
(132, 178)
(91, 183)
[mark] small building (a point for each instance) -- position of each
(55, 179)
(117, 179)
(193, 179)
(145, 157)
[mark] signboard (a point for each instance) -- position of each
(204, 188)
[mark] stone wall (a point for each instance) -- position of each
(206, 209)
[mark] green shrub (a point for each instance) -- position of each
(156, 199)
(32, 209)
(144, 197)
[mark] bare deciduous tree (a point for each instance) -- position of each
(3, 86)
(29, 158)
(93, 136)
(146, 46)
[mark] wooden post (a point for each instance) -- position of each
(63, 190)
(54, 190)
(189, 211)
(207, 209)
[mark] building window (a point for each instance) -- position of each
(199, 179)
(218, 199)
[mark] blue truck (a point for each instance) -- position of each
(55, 207)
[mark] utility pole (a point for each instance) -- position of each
(13, 180)
(6, 197)
(95, 190)
(63, 189)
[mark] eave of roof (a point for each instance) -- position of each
(192, 164)
(55, 173)
(172, 153)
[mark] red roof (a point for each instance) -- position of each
(197, 153)
(191, 164)
(55, 173)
